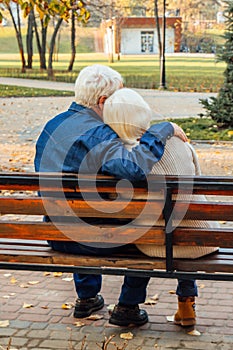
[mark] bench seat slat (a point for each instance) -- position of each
(57, 207)
(216, 264)
(130, 234)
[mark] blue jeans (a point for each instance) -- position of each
(133, 290)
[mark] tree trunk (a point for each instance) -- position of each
(73, 49)
(38, 40)
(43, 46)
(52, 46)
(18, 36)
(30, 39)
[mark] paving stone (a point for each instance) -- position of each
(20, 324)
(43, 334)
(38, 325)
(54, 344)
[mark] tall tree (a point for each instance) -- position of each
(220, 108)
(29, 39)
(13, 9)
(72, 42)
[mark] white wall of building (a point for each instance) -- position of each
(131, 41)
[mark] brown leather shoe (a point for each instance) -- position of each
(126, 315)
(85, 307)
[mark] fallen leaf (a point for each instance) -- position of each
(170, 318)
(33, 282)
(79, 324)
(44, 307)
(22, 285)
(150, 301)
(67, 279)
(4, 323)
(194, 332)
(27, 306)
(57, 274)
(201, 286)
(7, 274)
(126, 336)
(13, 280)
(172, 292)
(67, 306)
(155, 297)
(46, 274)
(95, 317)
(110, 308)
(6, 297)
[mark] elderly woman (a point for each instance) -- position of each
(129, 116)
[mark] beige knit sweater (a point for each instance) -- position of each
(179, 158)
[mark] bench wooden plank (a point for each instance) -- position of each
(123, 235)
(120, 209)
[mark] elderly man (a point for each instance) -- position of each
(77, 140)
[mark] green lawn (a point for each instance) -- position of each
(183, 73)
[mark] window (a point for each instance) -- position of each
(147, 42)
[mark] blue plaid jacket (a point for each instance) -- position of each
(77, 140)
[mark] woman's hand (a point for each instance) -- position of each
(179, 132)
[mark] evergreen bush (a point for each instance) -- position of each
(220, 108)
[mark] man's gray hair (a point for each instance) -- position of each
(96, 81)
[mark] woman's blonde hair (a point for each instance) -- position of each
(128, 114)
(96, 81)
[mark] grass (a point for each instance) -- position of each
(84, 40)
(183, 73)
(204, 129)
(16, 91)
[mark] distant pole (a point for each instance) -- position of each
(162, 59)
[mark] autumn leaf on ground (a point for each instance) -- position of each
(150, 301)
(67, 306)
(13, 280)
(201, 286)
(22, 285)
(27, 306)
(194, 332)
(110, 308)
(67, 279)
(33, 282)
(172, 292)
(7, 274)
(95, 317)
(57, 274)
(126, 336)
(170, 318)
(155, 297)
(79, 324)
(4, 323)
(46, 274)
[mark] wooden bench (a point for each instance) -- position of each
(24, 235)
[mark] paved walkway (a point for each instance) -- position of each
(164, 103)
(33, 302)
